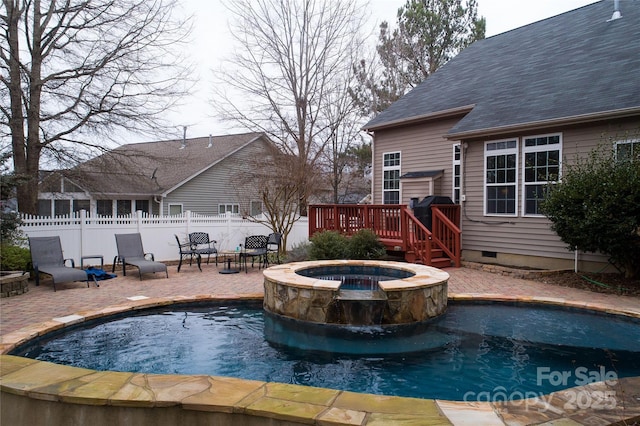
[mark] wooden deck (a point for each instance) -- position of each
(398, 229)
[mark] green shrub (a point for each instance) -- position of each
(596, 208)
(328, 245)
(14, 258)
(298, 253)
(365, 244)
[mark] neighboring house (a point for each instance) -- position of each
(502, 119)
(203, 175)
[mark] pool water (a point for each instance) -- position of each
(473, 348)
(355, 277)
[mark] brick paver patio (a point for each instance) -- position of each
(41, 303)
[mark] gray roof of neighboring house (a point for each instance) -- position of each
(155, 168)
(571, 67)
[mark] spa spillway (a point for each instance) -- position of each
(355, 292)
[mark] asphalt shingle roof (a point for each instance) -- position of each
(152, 168)
(575, 64)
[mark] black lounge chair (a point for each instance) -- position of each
(47, 258)
(130, 252)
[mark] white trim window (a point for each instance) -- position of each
(627, 149)
(228, 208)
(501, 177)
(455, 193)
(391, 178)
(255, 208)
(175, 209)
(541, 165)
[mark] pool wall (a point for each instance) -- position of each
(34, 393)
(413, 299)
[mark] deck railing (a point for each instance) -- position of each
(419, 239)
(446, 234)
(395, 225)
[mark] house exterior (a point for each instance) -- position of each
(202, 175)
(503, 118)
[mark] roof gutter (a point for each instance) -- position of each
(420, 118)
(534, 125)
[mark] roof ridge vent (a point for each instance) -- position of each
(616, 11)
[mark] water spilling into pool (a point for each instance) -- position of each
(472, 348)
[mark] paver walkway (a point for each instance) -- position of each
(42, 303)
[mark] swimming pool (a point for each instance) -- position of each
(473, 348)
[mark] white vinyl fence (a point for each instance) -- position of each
(82, 235)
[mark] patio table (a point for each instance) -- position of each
(228, 254)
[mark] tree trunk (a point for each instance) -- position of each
(27, 198)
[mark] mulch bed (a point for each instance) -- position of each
(596, 282)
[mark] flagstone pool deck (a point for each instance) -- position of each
(176, 399)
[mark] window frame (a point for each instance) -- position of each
(178, 205)
(121, 206)
(486, 185)
(235, 208)
(635, 144)
(143, 205)
(253, 208)
(78, 204)
(395, 168)
(99, 207)
(536, 149)
(456, 161)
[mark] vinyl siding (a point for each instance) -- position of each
(524, 235)
(422, 148)
(219, 184)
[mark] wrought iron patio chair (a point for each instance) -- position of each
(254, 246)
(130, 252)
(273, 244)
(47, 258)
(202, 245)
(187, 250)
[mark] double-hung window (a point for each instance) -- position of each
(391, 178)
(627, 150)
(541, 166)
(501, 177)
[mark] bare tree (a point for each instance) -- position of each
(290, 64)
(345, 122)
(79, 70)
(274, 182)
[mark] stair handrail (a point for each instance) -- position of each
(418, 237)
(446, 235)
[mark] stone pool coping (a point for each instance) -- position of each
(26, 383)
(422, 275)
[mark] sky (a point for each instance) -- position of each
(211, 43)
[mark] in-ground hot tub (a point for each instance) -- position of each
(356, 292)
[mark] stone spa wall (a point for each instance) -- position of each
(413, 299)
